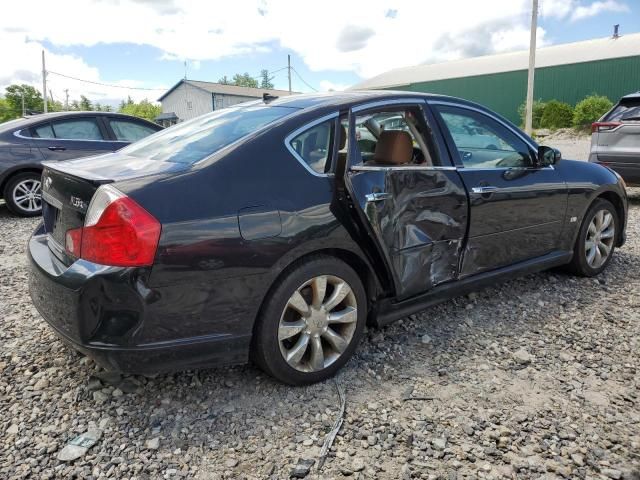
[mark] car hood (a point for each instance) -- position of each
(112, 167)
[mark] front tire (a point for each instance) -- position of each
(312, 321)
(23, 194)
(596, 240)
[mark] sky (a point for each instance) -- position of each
(333, 44)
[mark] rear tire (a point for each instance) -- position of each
(596, 240)
(23, 194)
(311, 322)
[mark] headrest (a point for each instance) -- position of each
(394, 147)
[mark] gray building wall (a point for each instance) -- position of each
(188, 102)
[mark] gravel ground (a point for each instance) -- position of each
(574, 146)
(535, 378)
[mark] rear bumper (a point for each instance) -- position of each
(114, 317)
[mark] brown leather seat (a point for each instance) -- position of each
(394, 147)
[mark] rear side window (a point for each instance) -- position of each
(73, 129)
(313, 146)
(628, 110)
(201, 137)
(44, 131)
(126, 131)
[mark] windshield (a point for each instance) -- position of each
(196, 139)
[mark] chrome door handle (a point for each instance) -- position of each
(57, 149)
(377, 197)
(487, 189)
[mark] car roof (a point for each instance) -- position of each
(43, 117)
(632, 96)
(345, 99)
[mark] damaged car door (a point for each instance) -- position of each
(407, 194)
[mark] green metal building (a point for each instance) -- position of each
(567, 72)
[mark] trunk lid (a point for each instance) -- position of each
(68, 187)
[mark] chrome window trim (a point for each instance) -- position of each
(548, 167)
(17, 134)
(382, 103)
(377, 168)
(302, 129)
(488, 114)
(380, 168)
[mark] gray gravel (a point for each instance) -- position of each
(573, 145)
(536, 378)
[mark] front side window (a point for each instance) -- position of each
(126, 131)
(191, 141)
(482, 142)
(314, 146)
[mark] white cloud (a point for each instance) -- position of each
(329, 86)
(579, 9)
(363, 37)
(596, 8)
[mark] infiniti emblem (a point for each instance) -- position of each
(78, 203)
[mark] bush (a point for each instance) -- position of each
(538, 110)
(556, 115)
(590, 110)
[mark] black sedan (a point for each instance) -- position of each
(26, 142)
(268, 231)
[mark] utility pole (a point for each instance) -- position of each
(528, 122)
(22, 95)
(289, 71)
(44, 83)
(66, 99)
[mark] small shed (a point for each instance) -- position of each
(188, 99)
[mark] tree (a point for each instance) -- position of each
(224, 81)
(590, 110)
(144, 109)
(6, 111)
(97, 107)
(556, 115)
(266, 79)
(74, 105)
(32, 98)
(85, 104)
(244, 80)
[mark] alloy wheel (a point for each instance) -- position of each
(27, 195)
(600, 237)
(318, 323)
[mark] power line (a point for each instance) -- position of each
(105, 84)
(303, 80)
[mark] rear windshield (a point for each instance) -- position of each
(627, 110)
(196, 139)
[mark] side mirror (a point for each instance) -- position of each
(548, 156)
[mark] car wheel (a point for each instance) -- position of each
(596, 240)
(311, 322)
(23, 195)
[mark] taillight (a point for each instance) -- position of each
(604, 126)
(117, 231)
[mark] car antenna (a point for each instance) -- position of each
(267, 97)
